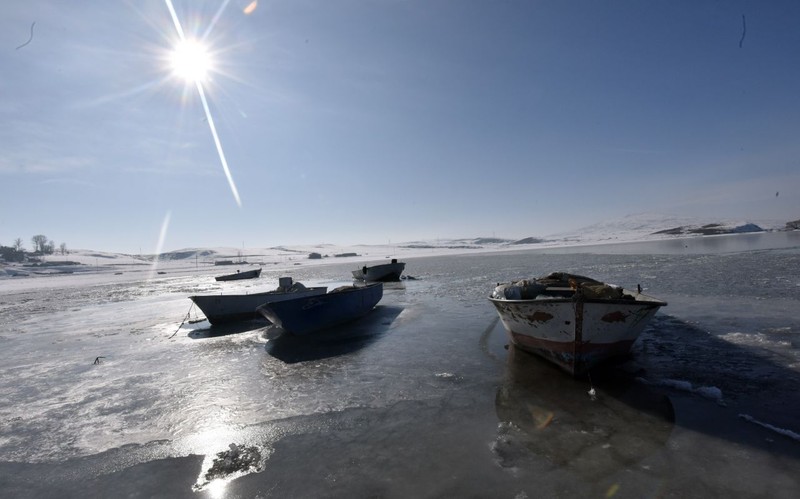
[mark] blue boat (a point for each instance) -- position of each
(308, 314)
(229, 308)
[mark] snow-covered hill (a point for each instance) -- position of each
(649, 226)
(639, 227)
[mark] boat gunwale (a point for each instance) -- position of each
(649, 300)
(351, 288)
(260, 293)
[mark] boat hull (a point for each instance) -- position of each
(387, 272)
(221, 309)
(576, 335)
(248, 274)
(314, 313)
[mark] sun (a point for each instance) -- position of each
(191, 61)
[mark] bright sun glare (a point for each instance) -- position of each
(191, 61)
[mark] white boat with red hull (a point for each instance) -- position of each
(573, 321)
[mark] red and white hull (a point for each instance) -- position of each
(576, 333)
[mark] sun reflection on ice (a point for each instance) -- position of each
(224, 461)
(228, 465)
(216, 488)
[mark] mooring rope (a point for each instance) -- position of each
(182, 322)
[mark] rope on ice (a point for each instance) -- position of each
(182, 322)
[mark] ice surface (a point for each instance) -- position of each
(423, 385)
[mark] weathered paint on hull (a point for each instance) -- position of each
(568, 356)
(576, 335)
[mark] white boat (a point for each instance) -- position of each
(380, 273)
(219, 309)
(573, 321)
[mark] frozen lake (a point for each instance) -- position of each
(419, 399)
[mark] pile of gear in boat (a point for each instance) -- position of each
(559, 285)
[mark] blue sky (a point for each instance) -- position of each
(369, 121)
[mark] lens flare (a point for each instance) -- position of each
(194, 66)
(162, 236)
(251, 7)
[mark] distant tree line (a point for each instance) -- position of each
(41, 246)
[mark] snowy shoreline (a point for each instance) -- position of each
(93, 266)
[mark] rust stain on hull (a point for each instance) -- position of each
(614, 317)
(540, 317)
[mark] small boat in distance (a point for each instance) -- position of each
(220, 309)
(313, 313)
(573, 321)
(247, 274)
(386, 272)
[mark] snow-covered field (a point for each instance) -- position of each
(633, 228)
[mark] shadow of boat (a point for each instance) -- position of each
(553, 416)
(679, 383)
(203, 330)
(332, 342)
(739, 381)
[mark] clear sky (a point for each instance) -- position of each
(369, 121)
